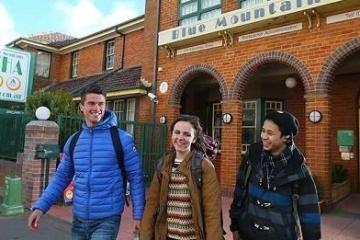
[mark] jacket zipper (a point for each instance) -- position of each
(89, 175)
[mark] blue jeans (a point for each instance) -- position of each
(99, 229)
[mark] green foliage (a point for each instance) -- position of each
(57, 102)
(338, 173)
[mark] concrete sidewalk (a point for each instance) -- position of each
(341, 224)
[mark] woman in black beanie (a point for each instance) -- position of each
(275, 196)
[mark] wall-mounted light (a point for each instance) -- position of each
(315, 116)
(227, 118)
(290, 82)
(162, 120)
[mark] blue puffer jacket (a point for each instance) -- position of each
(98, 181)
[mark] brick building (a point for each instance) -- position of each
(247, 57)
(112, 57)
(231, 60)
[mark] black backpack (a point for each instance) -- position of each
(118, 149)
(196, 172)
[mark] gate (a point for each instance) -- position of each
(150, 139)
(12, 132)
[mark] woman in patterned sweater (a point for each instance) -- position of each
(176, 207)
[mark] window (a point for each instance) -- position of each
(254, 112)
(43, 64)
(273, 106)
(251, 3)
(124, 109)
(74, 64)
(194, 10)
(110, 55)
(216, 121)
(248, 124)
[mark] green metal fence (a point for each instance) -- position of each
(150, 139)
(12, 132)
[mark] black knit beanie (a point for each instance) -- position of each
(287, 123)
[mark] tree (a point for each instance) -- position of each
(57, 102)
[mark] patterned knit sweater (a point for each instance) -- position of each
(179, 212)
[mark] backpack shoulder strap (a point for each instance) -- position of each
(158, 168)
(196, 168)
(73, 142)
(120, 157)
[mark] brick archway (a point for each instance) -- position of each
(326, 75)
(253, 65)
(188, 74)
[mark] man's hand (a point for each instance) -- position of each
(34, 218)
(236, 235)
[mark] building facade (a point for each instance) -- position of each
(112, 57)
(231, 61)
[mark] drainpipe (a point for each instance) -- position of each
(123, 46)
(155, 66)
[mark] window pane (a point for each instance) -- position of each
(248, 135)
(188, 8)
(216, 122)
(119, 109)
(43, 64)
(130, 115)
(251, 3)
(273, 106)
(110, 51)
(74, 64)
(211, 14)
(184, 1)
(187, 21)
(249, 113)
(209, 3)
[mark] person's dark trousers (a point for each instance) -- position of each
(99, 229)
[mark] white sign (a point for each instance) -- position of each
(199, 47)
(343, 17)
(238, 18)
(16, 73)
(163, 87)
(271, 32)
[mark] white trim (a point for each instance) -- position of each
(199, 47)
(271, 32)
(343, 17)
(238, 18)
(119, 93)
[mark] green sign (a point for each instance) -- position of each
(16, 74)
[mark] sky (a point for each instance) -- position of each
(77, 18)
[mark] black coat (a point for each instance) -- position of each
(263, 209)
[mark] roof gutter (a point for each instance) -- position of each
(155, 66)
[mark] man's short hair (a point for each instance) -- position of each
(93, 88)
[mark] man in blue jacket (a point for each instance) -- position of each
(98, 183)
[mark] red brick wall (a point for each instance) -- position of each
(345, 93)
(134, 48)
(312, 48)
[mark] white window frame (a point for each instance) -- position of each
(216, 108)
(74, 64)
(43, 63)
(110, 55)
(246, 106)
(200, 11)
